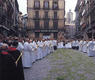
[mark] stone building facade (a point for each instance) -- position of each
(46, 18)
(9, 10)
(85, 20)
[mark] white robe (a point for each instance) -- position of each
(51, 46)
(32, 52)
(73, 43)
(35, 50)
(26, 57)
(80, 45)
(20, 47)
(39, 49)
(46, 48)
(68, 45)
(77, 43)
(60, 45)
(91, 49)
(84, 48)
(42, 49)
(88, 46)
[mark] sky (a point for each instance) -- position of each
(70, 4)
(23, 6)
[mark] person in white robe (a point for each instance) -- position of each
(55, 44)
(91, 49)
(89, 42)
(35, 50)
(43, 49)
(76, 44)
(26, 57)
(32, 51)
(84, 48)
(73, 44)
(60, 45)
(68, 45)
(40, 49)
(20, 46)
(51, 46)
(80, 45)
(46, 47)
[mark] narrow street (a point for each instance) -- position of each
(32, 29)
(63, 64)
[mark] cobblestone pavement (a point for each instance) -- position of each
(63, 64)
(38, 71)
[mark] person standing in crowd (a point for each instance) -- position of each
(55, 44)
(91, 48)
(26, 57)
(60, 44)
(77, 44)
(39, 49)
(5, 65)
(80, 45)
(17, 56)
(32, 51)
(73, 44)
(10, 59)
(68, 45)
(84, 49)
(46, 47)
(20, 46)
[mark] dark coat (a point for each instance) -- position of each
(8, 69)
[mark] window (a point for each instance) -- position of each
(55, 35)
(55, 24)
(55, 4)
(37, 4)
(36, 24)
(37, 35)
(46, 4)
(46, 24)
(46, 14)
(55, 15)
(36, 14)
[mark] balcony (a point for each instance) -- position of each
(92, 4)
(37, 7)
(55, 8)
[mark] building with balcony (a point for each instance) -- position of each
(22, 25)
(9, 10)
(85, 18)
(46, 18)
(77, 20)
